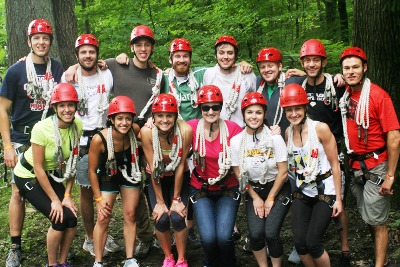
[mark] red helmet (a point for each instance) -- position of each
(39, 26)
(120, 104)
(142, 31)
(353, 51)
(293, 95)
(86, 39)
(253, 98)
(165, 103)
(312, 47)
(180, 44)
(226, 39)
(64, 92)
(269, 54)
(209, 93)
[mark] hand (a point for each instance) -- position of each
(69, 203)
(337, 208)
(275, 130)
(10, 158)
(56, 213)
(103, 209)
(294, 72)
(122, 59)
(339, 80)
(386, 188)
(159, 210)
(258, 205)
(179, 208)
(70, 74)
(102, 64)
(268, 206)
(245, 67)
(149, 123)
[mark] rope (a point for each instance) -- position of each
(155, 92)
(232, 103)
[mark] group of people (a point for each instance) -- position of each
(202, 138)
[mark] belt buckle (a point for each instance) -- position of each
(192, 200)
(237, 196)
(286, 201)
(379, 180)
(28, 186)
(26, 130)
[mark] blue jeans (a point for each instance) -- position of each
(216, 215)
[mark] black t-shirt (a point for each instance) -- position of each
(320, 111)
(24, 111)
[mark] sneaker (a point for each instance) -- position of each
(344, 260)
(97, 264)
(142, 249)
(132, 262)
(65, 264)
(294, 257)
(111, 246)
(89, 246)
(192, 240)
(182, 263)
(169, 262)
(236, 235)
(14, 256)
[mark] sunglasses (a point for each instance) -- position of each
(213, 107)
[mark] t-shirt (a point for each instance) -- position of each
(214, 76)
(382, 119)
(24, 111)
(320, 111)
(255, 161)
(184, 91)
(91, 83)
(43, 134)
(211, 159)
(133, 82)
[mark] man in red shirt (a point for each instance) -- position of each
(371, 131)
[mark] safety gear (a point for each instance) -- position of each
(165, 103)
(86, 39)
(269, 54)
(253, 98)
(180, 44)
(40, 26)
(208, 94)
(142, 31)
(64, 92)
(312, 47)
(353, 51)
(121, 104)
(293, 95)
(226, 39)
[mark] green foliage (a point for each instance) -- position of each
(3, 38)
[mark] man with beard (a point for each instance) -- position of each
(324, 92)
(372, 138)
(228, 77)
(93, 87)
(26, 92)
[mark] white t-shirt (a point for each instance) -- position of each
(91, 83)
(255, 161)
(224, 82)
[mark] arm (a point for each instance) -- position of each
(294, 72)
(392, 143)
(67, 200)
(70, 74)
(10, 158)
(122, 59)
(186, 132)
(339, 80)
(328, 141)
(279, 181)
(245, 67)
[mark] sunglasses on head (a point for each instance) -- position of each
(206, 108)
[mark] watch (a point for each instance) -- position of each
(178, 199)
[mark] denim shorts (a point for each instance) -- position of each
(82, 173)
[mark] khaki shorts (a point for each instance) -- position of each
(373, 207)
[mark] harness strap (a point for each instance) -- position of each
(205, 185)
(257, 187)
(230, 193)
(25, 129)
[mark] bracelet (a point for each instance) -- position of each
(8, 147)
(177, 199)
(98, 199)
(390, 178)
(270, 198)
(67, 195)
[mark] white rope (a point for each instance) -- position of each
(37, 89)
(330, 97)
(192, 82)
(311, 169)
(232, 102)
(155, 92)
(59, 157)
(224, 157)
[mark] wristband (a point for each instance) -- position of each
(98, 199)
(178, 199)
(67, 195)
(270, 198)
(8, 147)
(390, 178)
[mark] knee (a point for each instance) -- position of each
(178, 222)
(315, 250)
(301, 248)
(257, 244)
(16, 198)
(130, 216)
(103, 221)
(163, 223)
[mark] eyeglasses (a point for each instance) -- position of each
(206, 108)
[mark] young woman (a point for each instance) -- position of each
(166, 146)
(51, 160)
(260, 162)
(313, 162)
(113, 169)
(213, 186)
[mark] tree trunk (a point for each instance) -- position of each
(20, 13)
(344, 21)
(330, 16)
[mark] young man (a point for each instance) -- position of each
(228, 77)
(324, 92)
(93, 87)
(26, 92)
(372, 138)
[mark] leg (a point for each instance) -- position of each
(87, 210)
(381, 237)
(54, 238)
(16, 212)
(66, 243)
(144, 229)
(130, 200)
